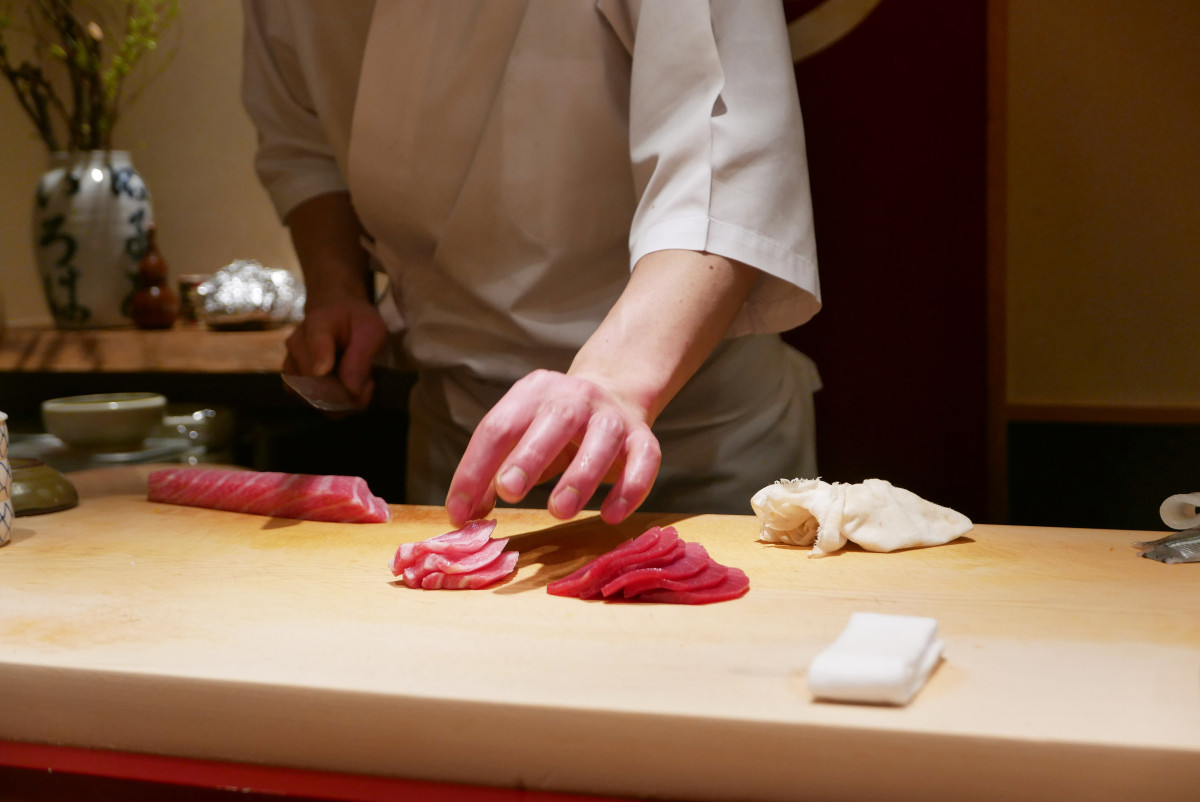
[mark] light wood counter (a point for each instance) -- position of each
(1071, 666)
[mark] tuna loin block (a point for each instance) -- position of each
(340, 499)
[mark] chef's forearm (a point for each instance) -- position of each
(327, 236)
(673, 313)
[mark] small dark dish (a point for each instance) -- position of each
(39, 488)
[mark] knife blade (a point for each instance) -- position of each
(326, 393)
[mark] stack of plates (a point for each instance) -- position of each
(54, 452)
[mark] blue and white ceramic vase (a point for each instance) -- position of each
(89, 232)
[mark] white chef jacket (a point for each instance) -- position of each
(513, 159)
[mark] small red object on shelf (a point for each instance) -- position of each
(155, 305)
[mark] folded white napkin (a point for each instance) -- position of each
(1179, 511)
(878, 659)
(875, 514)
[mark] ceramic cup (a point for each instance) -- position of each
(6, 505)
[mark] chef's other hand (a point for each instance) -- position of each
(343, 334)
(549, 423)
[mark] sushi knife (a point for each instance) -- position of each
(326, 393)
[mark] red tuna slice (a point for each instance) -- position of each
(669, 549)
(431, 581)
(660, 552)
(357, 497)
(489, 574)
(414, 575)
(468, 563)
(459, 543)
(431, 563)
(733, 585)
(339, 499)
(712, 574)
(570, 585)
(693, 560)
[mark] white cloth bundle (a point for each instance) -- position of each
(878, 659)
(874, 514)
(1179, 511)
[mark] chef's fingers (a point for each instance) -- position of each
(313, 346)
(642, 458)
(299, 360)
(555, 424)
(494, 437)
(486, 504)
(360, 388)
(365, 337)
(601, 446)
(478, 509)
(321, 349)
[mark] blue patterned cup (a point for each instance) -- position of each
(6, 505)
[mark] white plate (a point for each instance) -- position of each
(54, 452)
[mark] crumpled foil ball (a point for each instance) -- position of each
(246, 295)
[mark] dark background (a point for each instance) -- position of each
(895, 120)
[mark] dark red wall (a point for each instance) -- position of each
(895, 124)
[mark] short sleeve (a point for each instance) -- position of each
(294, 159)
(717, 145)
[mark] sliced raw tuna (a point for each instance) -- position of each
(467, 558)
(570, 584)
(432, 562)
(342, 499)
(586, 582)
(489, 574)
(656, 567)
(668, 550)
(459, 543)
(712, 574)
(679, 570)
(468, 563)
(732, 586)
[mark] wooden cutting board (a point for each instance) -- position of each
(1072, 666)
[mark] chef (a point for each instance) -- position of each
(593, 217)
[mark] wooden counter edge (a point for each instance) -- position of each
(253, 779)
(182, 349)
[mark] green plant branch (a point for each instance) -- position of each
(57, 16)
(96, 64)
(43, 45)
(32, 91)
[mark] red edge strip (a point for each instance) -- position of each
(254, 778)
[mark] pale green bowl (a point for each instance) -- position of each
(106, 422)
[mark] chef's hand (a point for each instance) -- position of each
(341, 334)
(551, 423)
(593, 423)
(342, 330)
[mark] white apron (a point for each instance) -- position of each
(490, 160)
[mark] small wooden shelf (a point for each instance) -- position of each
(183, 349)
